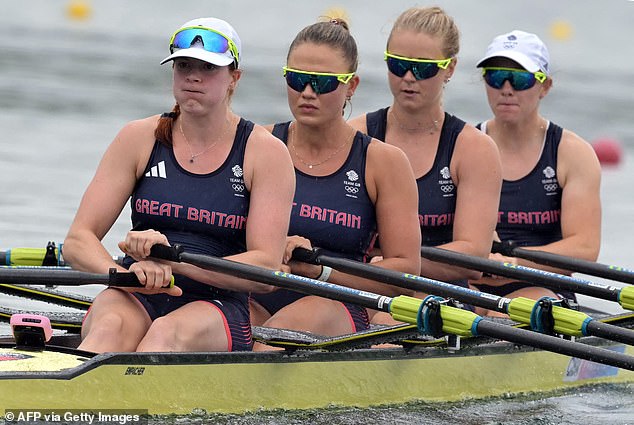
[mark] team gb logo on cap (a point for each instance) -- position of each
(511, 42)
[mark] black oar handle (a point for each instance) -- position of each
(304, 255)
(169, 253)
(504, 248)
(123, 279)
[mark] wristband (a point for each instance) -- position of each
(325, 273)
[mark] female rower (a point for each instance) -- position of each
(457, 167)
(193, 176)
(550, 195)
(349, 186)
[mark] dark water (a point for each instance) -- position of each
(67, 86)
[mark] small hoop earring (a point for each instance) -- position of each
(347, 102)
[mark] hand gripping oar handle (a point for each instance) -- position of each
(510, 249)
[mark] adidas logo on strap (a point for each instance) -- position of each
(157, 171)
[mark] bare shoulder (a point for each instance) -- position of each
(359, 123)
(575, 153)
(265, 149)
(138, 131)
(261, 139)
(471, 137)
(571, 143)
(474, 148)
(385, 155)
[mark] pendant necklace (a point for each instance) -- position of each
(291, 142)
(195, 155)
(431, 129)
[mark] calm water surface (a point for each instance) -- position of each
(68, 86)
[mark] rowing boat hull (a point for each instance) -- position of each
(182, 383)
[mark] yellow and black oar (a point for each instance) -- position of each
(49, 257)
(430, 315)
(545, 315)
(606, 271)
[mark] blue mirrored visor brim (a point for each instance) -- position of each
(321, 83)
(208, 39)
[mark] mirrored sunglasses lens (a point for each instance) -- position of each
(320, 84)
(211, 41)
(425, 70)
(296, 81)
(397, 67)
(421, 70)
(519, 80)
(522, 80)
(495, 78)
(325, 83)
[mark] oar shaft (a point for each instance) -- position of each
(568, 263)
(405, 280)
(276, 278)
(539, 277)
(64, 277)
(557, 345)
(608, 331)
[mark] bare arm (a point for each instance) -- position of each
(106, 195)
(579, 175)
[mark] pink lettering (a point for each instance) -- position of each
(531, 217)
(317, 213)
(512, 217)
(205, 216)
(304, 210)
(154, 206)
(165, 209)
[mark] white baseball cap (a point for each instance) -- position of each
(207, 39)
(523, 47)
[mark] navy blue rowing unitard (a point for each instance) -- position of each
(336, 214)
(530, 207)
(436, 189)
(206, 214)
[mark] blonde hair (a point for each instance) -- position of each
(432, 21)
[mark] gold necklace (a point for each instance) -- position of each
(431, 129)
(291, 142)
(191, 153)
